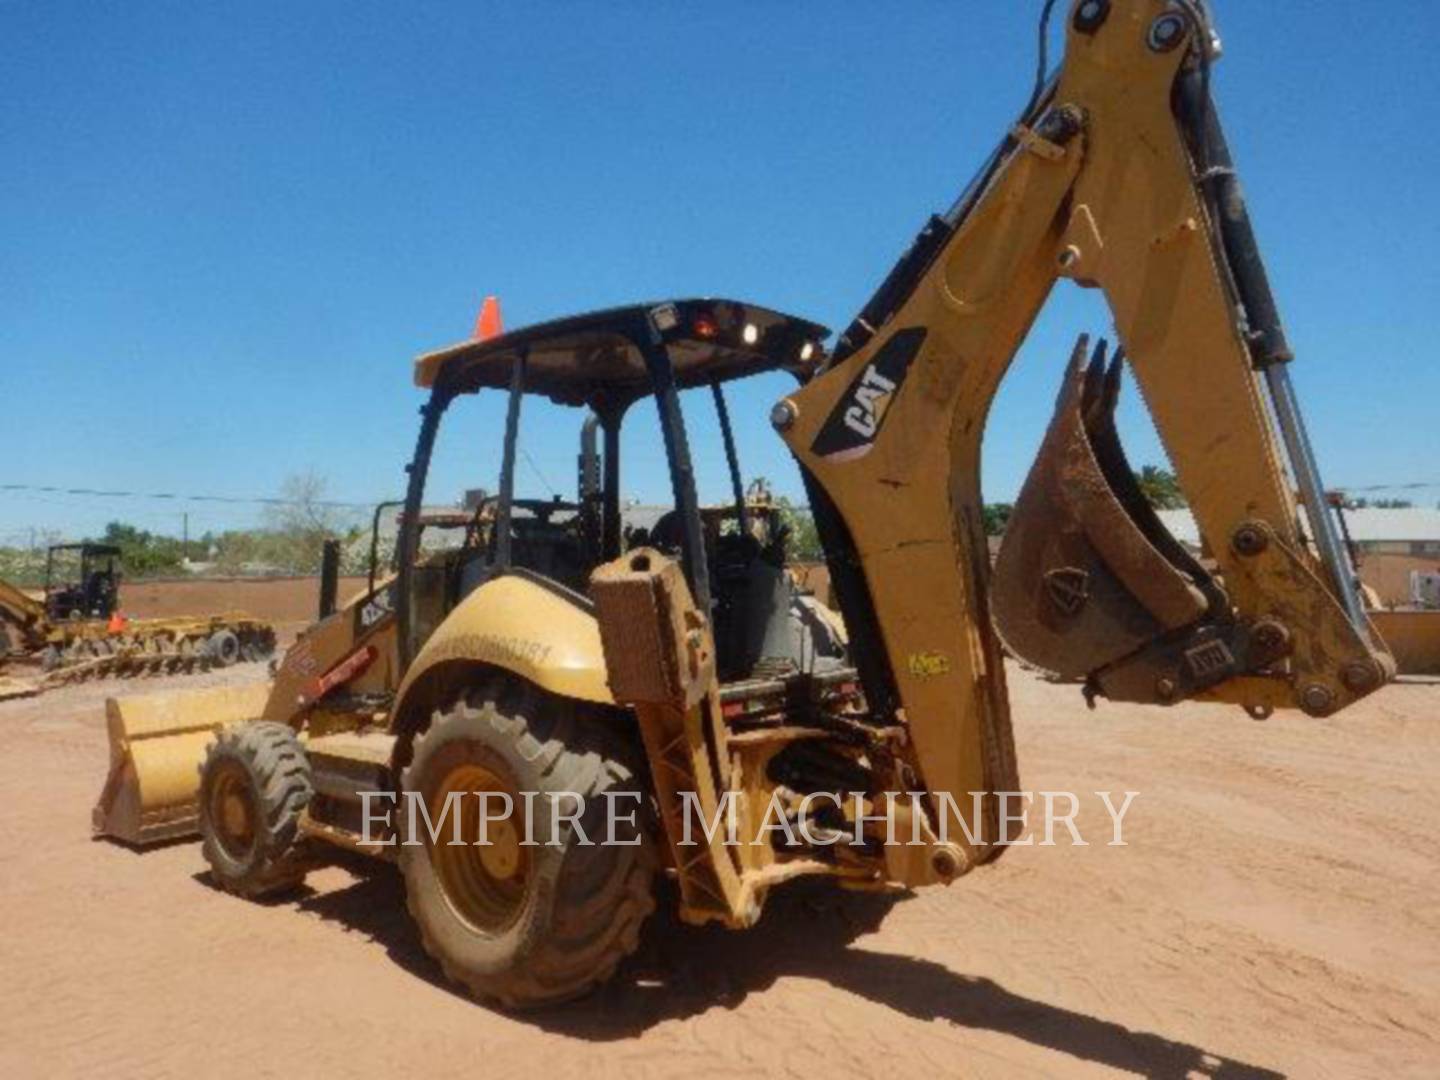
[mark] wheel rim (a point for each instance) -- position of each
(232, 811)
(484, 886)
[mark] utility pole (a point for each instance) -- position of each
(185, 531)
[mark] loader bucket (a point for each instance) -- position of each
(1087, 573)
(157, 743)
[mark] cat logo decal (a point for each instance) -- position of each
(854, 425)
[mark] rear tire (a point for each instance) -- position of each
(254, 784)
(532, 925)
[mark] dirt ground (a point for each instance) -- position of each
(287, 601)
(1275, 912)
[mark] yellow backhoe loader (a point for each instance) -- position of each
(22, 620)
(22, 624)
(439, 718)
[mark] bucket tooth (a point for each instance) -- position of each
(1087, 573)
(157, 744)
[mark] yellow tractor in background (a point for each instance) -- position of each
(36, 624)
(74, 629)
(544, 661)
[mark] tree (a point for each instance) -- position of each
(803, 544)
(301, 523)
(1161, 488)
(25, 564)
(996, 517)
(142, 553)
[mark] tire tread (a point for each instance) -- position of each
(273, 757)
(591, 930)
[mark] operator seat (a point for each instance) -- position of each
(759, 616)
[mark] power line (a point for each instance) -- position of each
(1415, 486)
(236, 500)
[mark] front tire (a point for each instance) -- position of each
(254, 784)
(523, 924)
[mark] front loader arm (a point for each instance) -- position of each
(25, 614)
(1099, 185)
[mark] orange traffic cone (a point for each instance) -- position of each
(116, 625)
(487, 324)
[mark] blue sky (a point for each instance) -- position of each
(228, 230)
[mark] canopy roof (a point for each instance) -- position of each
(88, 547)
(592, 358)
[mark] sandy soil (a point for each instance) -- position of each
(1274, 913)
(281, 600)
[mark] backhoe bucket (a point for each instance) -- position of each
(1087, 573)
(157, 743)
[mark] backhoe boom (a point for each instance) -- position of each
(1119, 180)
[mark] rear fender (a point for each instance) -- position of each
(515, 624)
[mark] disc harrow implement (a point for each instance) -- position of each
(154, 647)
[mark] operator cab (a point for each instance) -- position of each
(601, 364)
(93, 591)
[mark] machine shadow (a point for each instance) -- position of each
(808, 930)
(142, 850)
